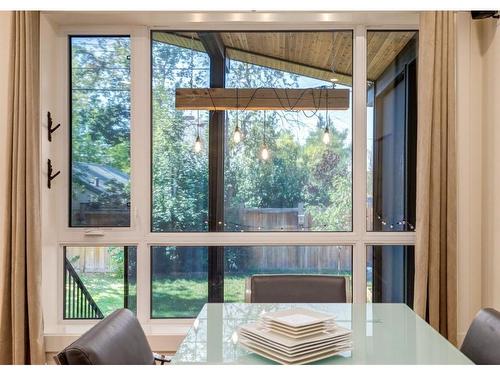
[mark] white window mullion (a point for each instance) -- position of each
(140, 163)
(359, 162)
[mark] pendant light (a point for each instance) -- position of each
(197, 142)
(264, 152)
(237, 135)
(326, 133)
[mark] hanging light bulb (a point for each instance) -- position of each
(237, 135)
(264, 152)
(326, 133)
(197, 144)
(326, 136)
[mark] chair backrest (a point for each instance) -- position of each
(296, 289)
(116, 340)
(482, 342)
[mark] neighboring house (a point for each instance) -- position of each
(100, 193)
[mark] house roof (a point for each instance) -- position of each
(95, 177)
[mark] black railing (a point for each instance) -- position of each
(78, 303)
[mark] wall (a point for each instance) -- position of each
(490, 52)
(478, 156)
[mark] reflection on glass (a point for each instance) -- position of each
(390, 271)
(100, 131)
(281, 175)
(179, 165)
(213, 342)
(179, 281)
(392, 130)
(244, 261)
(99, 280)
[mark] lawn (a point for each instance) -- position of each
(172, 298)
(106, 289)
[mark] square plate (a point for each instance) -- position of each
(298, 360)
(298, 333)
(263, 332)
(305, 348)
(297, 317)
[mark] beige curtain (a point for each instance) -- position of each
(435, 254)
(21, 334)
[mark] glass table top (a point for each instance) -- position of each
(382, 334)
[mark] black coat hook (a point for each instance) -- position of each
(49, 125)
(50, 176)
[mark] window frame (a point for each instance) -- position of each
(139, 234)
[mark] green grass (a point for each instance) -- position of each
(106, 289)
(172, 298)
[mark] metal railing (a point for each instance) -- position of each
(78, 303)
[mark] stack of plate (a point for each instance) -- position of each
(295, 336)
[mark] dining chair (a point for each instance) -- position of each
(116, 340)
(482, 341)
(296, 289)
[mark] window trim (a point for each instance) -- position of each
(53, 52)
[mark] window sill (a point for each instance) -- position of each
(161, 337)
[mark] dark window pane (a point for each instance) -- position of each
(179, 281)
(305, 184)
(389, 273)
(392, 130)
(244, 261)
(99, 280)
(179, 173)
(100, 131)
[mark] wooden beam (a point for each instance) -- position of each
(261, 99)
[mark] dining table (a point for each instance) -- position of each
(382, 333)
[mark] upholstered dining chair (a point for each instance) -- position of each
(116, 340)
(296, 289)
(482, 341)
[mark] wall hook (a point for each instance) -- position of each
(50, 176)
(49, 125)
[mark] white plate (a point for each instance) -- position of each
(306, 348)
(303, 359)
(297, 317)
(261, 331)
(298, 334)
(298, 330)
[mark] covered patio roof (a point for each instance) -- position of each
(322, 55)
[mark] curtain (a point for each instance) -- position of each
(21, 334)
(436, 247)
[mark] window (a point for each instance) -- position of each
(179, 281)
(241, 262)
(305, 185)
(392, 130)
(99, 280)
(389, 274)
(202, 219)
(100, 131)
(179, 175)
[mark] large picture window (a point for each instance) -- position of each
(212, 194)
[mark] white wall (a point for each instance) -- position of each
(478, 155)
(490, 52)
